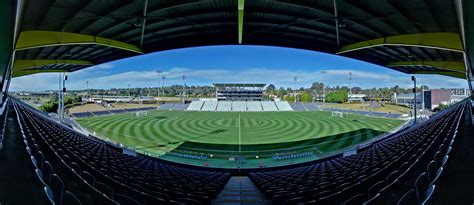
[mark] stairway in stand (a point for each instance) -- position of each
(240, 191)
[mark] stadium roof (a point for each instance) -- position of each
(416, 36)
(240, 85)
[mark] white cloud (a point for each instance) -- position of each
(37, 82)
(104, 66)
(279, 77)
(358, 74)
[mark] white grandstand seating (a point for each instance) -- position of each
(254, 106)
(269, 106)
(224, 106)
(209, 106)
(195, 105)
(283, 106)
(239, 106)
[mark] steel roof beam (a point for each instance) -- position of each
(38, 39)
(445, 73)
(241, 19)
(454, 66)
(28, 64)
(443, 41)
(30, 72)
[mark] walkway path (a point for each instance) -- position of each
(240, 191)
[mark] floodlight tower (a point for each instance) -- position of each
(296, 87)
(158, 87)
(87, 90)
(184, 88)
(62, 96)
(324, 86)
(422, 96)
(350, 83)
(163, 77)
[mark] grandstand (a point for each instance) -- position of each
(110, 112)
(173, 106)
(209, 106)
(389, 160)
(44, 161)
(225, 106)
(239, 91)
(269, 106)
(49, 153)
(256, 106)
(283, 106)
(239, 106)
(195, 105)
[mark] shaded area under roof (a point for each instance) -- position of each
(239, 85)
(304, 24)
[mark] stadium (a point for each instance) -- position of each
(238, 146)
(239, 130)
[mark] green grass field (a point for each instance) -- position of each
(219, 133)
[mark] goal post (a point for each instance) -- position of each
(141, 113)
(337, 114)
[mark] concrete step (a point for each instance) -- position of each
(240, 191)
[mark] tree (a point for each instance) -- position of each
(270, 89)
(317, 86)
(282, 92)
(441, 107)
(49, 106)
(306, 97)
(356, 90)
(337, 97)
(289, 98)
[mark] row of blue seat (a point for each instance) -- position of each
(368, 113)
(52, 183)
(425, 183)
(333, 181)
(137, 178)
(188, 156)
(109, 112)
(300, 106)
(3, 123)
(291, 156)
(173, 106)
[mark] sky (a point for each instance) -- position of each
(232, 64)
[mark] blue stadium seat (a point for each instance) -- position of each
(428, 195)
(57, 187)
(71, 199)
(49, 193)
(409, 198)
(106, 189)
(356, 200)
(375, 189)
(124, 199)
(421, 185)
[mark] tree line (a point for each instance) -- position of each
(315, 91)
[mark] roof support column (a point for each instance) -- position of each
(143, 23)
(465, 14)
(337, 23)
(241, 19)
(7, 39)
